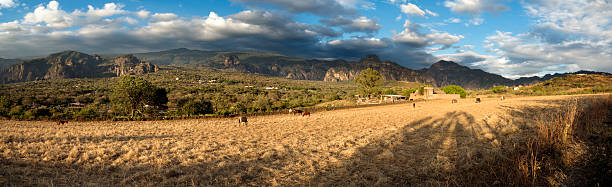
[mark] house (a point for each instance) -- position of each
(428, 94)
(392, 98)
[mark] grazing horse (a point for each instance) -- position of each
(454, 101)
(306, 113)
(477, 100)
(61, 122)
(297, 112)
(242, 119)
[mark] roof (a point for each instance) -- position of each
(394, 96)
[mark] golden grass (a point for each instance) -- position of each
(437, 143)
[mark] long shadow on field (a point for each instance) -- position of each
(428, 151)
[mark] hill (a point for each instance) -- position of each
(72, 64)
(8, 62)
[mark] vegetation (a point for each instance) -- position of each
(132, 94)
(454, 89)
(498, 89)
(370, 81)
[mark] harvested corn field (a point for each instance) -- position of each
(435, 143)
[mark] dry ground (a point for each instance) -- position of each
(382, 145)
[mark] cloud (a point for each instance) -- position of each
(431, 13)
(413, 37)
(566, 36)
(412, 9)
(359, 24)
(7, 4)
(317, 7)
(475, 7)
(50, 15)
(113, 29)
(142, 14)
(452, 20)
(164, 16)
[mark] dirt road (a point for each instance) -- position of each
(383, 145)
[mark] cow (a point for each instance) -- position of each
(454, 101)
(502, 98)
(297, 112)
(477, 100)
(242, 119)
(61, 122)
(306, 113)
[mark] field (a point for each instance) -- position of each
(436, 143)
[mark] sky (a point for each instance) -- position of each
(513, 38)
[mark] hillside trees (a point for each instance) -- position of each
(370, 81)
(131, 94)
(454, 89)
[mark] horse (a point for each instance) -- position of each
(61, 122)
(306, 113)
(297, 112)
(477, 100)
(242, 119)
(454, 101)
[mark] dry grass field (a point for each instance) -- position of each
(436, 143)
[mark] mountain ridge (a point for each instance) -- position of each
(72, 64)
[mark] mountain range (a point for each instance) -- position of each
(71, 64)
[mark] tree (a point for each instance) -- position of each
(131, 94)
(454, 89)
(196, 107)
(369, 80)
(499, 89)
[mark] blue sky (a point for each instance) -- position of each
(512, 38)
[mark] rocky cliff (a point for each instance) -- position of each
(130, 65)
(72, 64)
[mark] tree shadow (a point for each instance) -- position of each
(426, 152)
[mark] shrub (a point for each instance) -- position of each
(454, 89)
(86, 113)
(390, 92)
(196, 107)
(40, 112)
(17, 111)
(499, 89)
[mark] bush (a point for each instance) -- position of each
(86, 113)
(39, 112)
(499, 89)
(454, 89)
(389, 92)
(17, 111)
(196, 107)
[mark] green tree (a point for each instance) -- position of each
(5, 105)
(196, 107)
(370, 80)
(499, 89)
(454, 89)
(131, 94)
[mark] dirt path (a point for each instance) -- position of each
(386, 145)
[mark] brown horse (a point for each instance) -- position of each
(306, 113)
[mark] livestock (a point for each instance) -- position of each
(477, 100)
(306, 113)
(454, 101)
(291, 111)
(502, 98)
(61, 122)
(413, 105)
(297, 112)
(242, 119)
